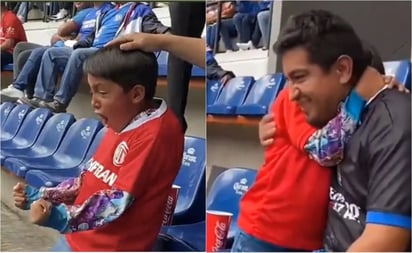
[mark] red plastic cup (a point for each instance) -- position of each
(217, 228)
(171, 205)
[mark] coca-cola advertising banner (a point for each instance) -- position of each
(217, 228)
(171, 205)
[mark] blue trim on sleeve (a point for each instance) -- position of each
(58, 218)
(354, 105)
(389, 219)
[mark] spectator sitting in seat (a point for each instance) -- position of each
(139, 156)
(227, 27)
(12, 32)
(127, 18)
(245, 21)
(215, 71)
(79, 27)
(263, 18)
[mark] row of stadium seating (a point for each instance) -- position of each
(246, 97)
(162, 59)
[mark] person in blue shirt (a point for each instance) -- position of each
(28, 55)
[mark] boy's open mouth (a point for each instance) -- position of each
(103, 119)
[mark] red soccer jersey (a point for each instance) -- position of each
(12, 28)
(143, 160)
(287, 206)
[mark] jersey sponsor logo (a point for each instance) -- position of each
(345, 209)
(101, 173)
(120, 153)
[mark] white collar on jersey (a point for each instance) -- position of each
(146, 116)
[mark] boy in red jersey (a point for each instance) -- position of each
(286, 208)
(117, 203)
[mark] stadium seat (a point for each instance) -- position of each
(167, 243)
(192, 234)
(191, 178)
(48, 140)
(5, 109)
(13, 122)
(401, 70)
(162, 60)
(225, 194)
(232, 95)
(38, 178)
(29, 130)
(68, 156)
(213, 89)
(261, 95)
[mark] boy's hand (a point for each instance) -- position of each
(19, 195)
(40, 211)
(267, 130)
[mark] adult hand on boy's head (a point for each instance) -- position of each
(143, 41)
(40, 211)
(267, 130)
(394, 84)
(19, 195)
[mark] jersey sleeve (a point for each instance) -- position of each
(80, 16)
(389, 169)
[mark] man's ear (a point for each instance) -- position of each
(344, 68)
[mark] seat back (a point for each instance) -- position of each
(5, 109)
(31, 127)
(401, 70)
(14, 120)
(235, 91)
(212, 92)
(53, 132)
(227, 190)
(265, 90)
(78, 139)
(191, 177)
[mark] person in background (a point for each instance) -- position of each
(215, 71)
(12, 32)
(263, 18)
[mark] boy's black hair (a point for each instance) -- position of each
(373, 57)
(326, 37)
(126, 68)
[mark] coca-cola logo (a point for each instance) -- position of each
(168, 211)
(220, 233)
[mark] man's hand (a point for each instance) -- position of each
(19, 195)
(143, 41)
(40, 211)
(394, 84)
(267, 130)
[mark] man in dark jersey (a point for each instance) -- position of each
(370, 196)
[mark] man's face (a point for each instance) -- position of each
(317, 92)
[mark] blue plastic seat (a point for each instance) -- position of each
(5, 109)
(192, 234)
(69, 155)
(191, 178)
(162, 60)
(225, 194)
(167, 243)
(212, 92)
(232, 95)
(401, 70)
(261, 95)
(47, 142)
(38, 178)
(13, 122)
(29, 130)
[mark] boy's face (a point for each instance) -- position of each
(115, 107)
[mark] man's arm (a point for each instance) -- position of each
(388, 220)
